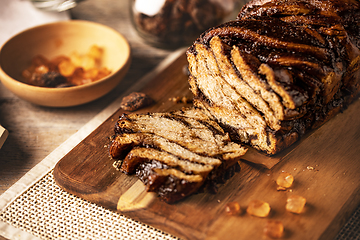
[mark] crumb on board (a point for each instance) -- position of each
(184, 100)
(117, 164)
(135, 101)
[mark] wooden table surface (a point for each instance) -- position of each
(34, 131)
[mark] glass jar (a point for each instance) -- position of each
(176, 23)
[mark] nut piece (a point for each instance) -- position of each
(258, 208)
(295, 204)
(274, 229)
(284, 180)
(232, 208)
(135, 101)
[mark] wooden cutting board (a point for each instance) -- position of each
(325, 165)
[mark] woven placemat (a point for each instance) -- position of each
(48, 212)
(351, 230)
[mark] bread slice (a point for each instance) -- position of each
(176, 153)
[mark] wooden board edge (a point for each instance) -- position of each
(3, 135)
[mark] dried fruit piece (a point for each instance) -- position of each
(51, 79)
(233, 208)
(75, 58)
(295, 204)
(284, 180)
(87, 62)
(92, 73)
(41, 69)
(66, 68)
(258, 208)
(274, 229)
(78, 69)
(103, 72)
(95, 52)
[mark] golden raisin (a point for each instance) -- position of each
(233, 208)
(75, 58)
(258, 208)
(87, 62)
(91, 74)
(295, 204)
(66, 68)
(95, 52)
(103, 72)
(285, 180)
(274, 229)
(41, 69)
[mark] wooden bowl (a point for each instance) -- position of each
(63, 38)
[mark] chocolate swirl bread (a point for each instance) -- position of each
(279, 70)
(175, 154)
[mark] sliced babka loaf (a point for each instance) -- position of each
(280, 69)
(175, 153)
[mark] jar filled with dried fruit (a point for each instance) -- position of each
(176, 23)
